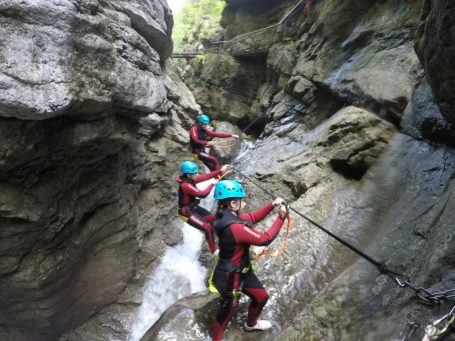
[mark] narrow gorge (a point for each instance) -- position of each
(347, 108)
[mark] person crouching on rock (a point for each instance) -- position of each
(200, 139)
(189, 209)
(233, 273)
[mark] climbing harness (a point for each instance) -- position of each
(440, 327)
(403, 281)
(231, 269)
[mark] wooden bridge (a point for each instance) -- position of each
(251, 44)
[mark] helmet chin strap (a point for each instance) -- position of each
(240, 206)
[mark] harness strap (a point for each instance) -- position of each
(186, 210)
(184, 218)
(237, 284)
(227, 266)
(234, 276)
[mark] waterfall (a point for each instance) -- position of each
(178, 275)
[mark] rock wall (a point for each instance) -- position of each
(224, 86)
(91, 120)
(93, 123)
(434, 46)
(94, 55)
(245, 16)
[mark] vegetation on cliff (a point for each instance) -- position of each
(197, 21)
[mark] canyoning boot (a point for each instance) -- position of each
(260, 325)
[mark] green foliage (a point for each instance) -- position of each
(198, 20)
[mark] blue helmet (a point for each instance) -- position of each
(189, 167)
(229, 189)
(203, 119)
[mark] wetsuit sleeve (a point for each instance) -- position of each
(216, 134)
(206, 176)
(195, 137)
(192, 190)
(246, 235)
(258, 215)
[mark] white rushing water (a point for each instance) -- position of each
(178, 275)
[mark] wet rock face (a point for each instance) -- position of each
(190, 316)
(407, 197)
(423, 118)
(369, 61)
(227, 149)
(350, 156)
(94, 55)
(434, 46)
(68, 218)
(225, 87)
(88, 115)
(356, 53)
(244, 16)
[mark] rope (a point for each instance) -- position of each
(280, 251)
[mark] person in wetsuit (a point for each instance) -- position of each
(233, 274)
(200, 138)
(188, 199)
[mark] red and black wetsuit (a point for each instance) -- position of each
(198, 141)
(233, 272)
(198, 217)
